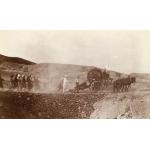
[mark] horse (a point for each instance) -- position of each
(123, 84)
(117, 85)
(105, 79)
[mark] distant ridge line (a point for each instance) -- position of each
(18, 60)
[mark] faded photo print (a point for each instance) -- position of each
(74, 74)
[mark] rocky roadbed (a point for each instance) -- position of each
(47, 106)
(132, 105)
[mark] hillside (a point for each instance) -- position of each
(17, 60)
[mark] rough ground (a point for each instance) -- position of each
(48, 106)
(75, 106)
(134, 105)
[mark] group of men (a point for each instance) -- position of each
(22, 82)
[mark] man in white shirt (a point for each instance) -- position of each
(65, 83)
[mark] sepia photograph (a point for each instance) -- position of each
(74, 74)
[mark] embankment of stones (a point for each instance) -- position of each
(47, 106)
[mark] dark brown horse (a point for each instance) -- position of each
(123, 84)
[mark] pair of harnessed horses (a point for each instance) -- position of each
(123, 84)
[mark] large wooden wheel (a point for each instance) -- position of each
(94, 75)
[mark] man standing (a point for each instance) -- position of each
(1, 81)
(19, 82)
(77, 84)
(65, 83)
(23, 82)
(12, 81)
(29, 82)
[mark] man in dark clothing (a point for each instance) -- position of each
(30, 83)
(1, 81)
(16, 81)
(77, 84)
(23, 82)
(104, 74)
(12, 81)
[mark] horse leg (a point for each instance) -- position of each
(121, 88)
(113, 89)
(126, 88)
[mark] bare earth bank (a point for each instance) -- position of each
(123, 105)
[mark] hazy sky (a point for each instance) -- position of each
(125, 51)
